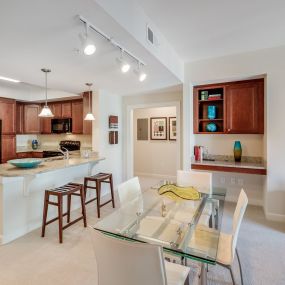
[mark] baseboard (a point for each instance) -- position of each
(275, 217)
(153, 175)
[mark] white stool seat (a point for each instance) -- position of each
(224, 254)
(176, 274)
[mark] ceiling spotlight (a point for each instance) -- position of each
(9, 79)
(88, 48)
(141, 74)
(125, 67)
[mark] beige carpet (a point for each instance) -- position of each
(32, 260)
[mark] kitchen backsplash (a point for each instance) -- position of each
(52, 140)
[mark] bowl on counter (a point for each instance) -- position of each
(25, 162)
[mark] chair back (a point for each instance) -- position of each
(237, 218)
(129, 190)
(200, 180)
(127, 263)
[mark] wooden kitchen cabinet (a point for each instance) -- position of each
(19, 118)
(77, 117)
(8, 148)
(66, 110)
(56, 109)
(27, 154)
(245, 108)
(87, 125)
(8, 115)
(31, 119)
(239, 107)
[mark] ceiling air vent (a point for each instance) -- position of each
(150, 36)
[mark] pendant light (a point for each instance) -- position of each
(46, 111)
(89, 116)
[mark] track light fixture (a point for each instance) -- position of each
(88, 48)
(124, 65)
(140, 73)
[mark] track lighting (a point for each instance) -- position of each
(141, 74)
(89, 116)
(46, 111)
(9, 79)
(88, 48)
(124, 65)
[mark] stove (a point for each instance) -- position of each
(67, 144)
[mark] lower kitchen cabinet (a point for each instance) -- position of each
(31, 119)
(8, 148)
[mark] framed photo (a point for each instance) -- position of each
(172, 128)
(158, 128)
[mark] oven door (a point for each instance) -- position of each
(59, 126)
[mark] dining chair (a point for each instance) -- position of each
(227, 242)
(124, 262)
(129, 190)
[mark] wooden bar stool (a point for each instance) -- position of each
(99, 179)
(70, 189)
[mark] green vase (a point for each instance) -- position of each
(237, 151)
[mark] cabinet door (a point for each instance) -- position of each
(24, 154)
(56, 109)
(19, 118)
(8, 115)
(245, 108)
(77, 117)
(31, 119)
(66, 110)
(37, 154)
(8, 147)
(87, 125)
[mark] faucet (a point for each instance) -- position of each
(65, 153)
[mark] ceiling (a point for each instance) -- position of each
(207, 28)
(40, 33)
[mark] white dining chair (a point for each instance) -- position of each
(123, 262)
(227, 242)
(129, 190)
(197, 179)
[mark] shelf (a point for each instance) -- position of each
(208, 101)
(210, 120)
(210, 133)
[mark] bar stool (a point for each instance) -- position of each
(99, 179)
(70, 189)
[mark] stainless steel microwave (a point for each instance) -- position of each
(59, 126)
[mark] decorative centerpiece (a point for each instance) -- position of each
(25, 162)
(237, 151)
(212, 112)
(211, 127)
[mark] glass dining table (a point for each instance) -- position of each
(186, 229)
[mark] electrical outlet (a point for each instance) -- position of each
(223, 180)
(240, 182)
(233, 181)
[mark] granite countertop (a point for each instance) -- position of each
(43, 148)
(252, 165)
(48, 164)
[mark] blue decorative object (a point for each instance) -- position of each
(237, 151)
(25, 162)
(211, 127)
(212, 112)
(35, 144)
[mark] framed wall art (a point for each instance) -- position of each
(172, 128)
(142, 129)
(158, 128)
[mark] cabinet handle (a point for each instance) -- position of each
(229, 130)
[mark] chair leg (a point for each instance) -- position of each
(45, 214)
(85, 187)
(83, 206)
(232, 275)
(241, 276)
(98, 193)
(112, 190)
(60, 218)
(68, 207)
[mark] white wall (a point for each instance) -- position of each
(270, 62)
(161, 155)
(106, 104)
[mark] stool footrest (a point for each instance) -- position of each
(54, 219)
(72, 222)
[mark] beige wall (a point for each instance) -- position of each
(154, 157)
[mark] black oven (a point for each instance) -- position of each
(59, 126)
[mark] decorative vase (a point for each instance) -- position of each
(212, 112)
(211, 127)
(237, 151)
(35, 144)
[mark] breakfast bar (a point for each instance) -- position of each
(22, 191)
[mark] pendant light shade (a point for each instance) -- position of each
(89, 116)
(46, 111)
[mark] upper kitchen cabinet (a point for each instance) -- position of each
(77, 117)
(31, 119)
(87, 125)
(8, 115)
(229, 108)
(56, 109)
(245, 107)
(66, 110)
(19, 118)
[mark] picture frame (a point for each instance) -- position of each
(158, 128)
(172, 128)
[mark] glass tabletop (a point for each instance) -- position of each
(186, 228)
